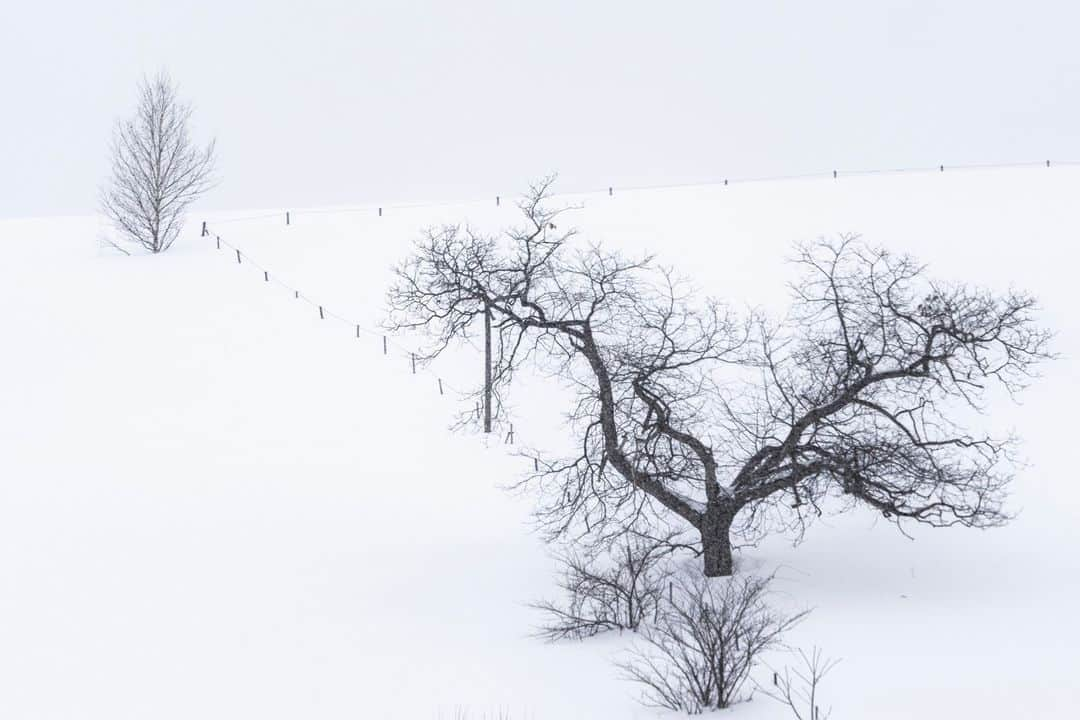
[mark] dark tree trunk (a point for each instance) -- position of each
(716, 543)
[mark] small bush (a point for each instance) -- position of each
(698, 652)
(617, 590)
(798, 688)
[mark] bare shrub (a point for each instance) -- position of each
(798, 688)
(698, 653)
(462, 713)
(616, 590)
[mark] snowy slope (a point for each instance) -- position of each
(213, 504)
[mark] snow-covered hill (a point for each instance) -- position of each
(214, 504)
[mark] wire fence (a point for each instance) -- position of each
(389, 344)
(610, 190)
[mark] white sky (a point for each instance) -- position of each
(324, 102)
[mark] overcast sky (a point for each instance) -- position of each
(357, 101)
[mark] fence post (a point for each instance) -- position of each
(237, 257)
(266, 276)
(496, 201)
(383, 344)
(321, 316)
(218, 242)
(413, 355)
(380, 212)
(357, 331)
(440, 386)
(487, 369)
(204, 230)
(297, 294)
(610, 191)
(834, 174)
(286, 217)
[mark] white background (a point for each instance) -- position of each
(374, 101)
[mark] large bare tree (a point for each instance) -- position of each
(157, 169)
(736, 426)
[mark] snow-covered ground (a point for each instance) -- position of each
(214, 504)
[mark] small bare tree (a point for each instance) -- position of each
(798, 688)
(616, 590)
(700, 650)
(157, 170)
(687, 414)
